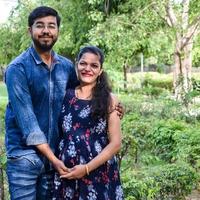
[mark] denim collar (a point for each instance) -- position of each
(38, 59)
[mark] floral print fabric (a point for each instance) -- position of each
(82, 140)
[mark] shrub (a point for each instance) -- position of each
(188, 147)
(149, 81)
(162, 141)
(163, 182)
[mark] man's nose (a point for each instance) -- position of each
(45, 29)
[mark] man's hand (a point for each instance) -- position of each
(60, 167)
(76, 172)
(58, 164)
(120, 110)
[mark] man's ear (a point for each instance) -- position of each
(29, 30)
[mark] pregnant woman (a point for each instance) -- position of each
(91, 135)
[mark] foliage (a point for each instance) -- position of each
(161, 139)
(3, 101)
(149, 81)
(165, 156)
(188, 147)
(169, 181)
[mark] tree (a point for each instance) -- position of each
(126, 32)
(185, 23)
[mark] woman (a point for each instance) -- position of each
(91, 135)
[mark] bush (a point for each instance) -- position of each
(149, 81)
(162, 141)
(164, 182)
(188, 147)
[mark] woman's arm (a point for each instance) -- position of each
(114, 134)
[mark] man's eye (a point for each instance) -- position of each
(52, 26)
(40, 26)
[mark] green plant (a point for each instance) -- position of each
(162, 141)
(188, 147)
(168, 181)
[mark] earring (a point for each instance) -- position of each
(98, 80)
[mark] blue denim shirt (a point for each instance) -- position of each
(35, 99)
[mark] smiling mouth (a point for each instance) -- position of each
(88, 75)
(45, 37)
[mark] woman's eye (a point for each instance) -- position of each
(94, 66)
(82, 63)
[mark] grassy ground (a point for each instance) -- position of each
(3, 102)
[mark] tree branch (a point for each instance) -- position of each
(193, 31)
(172, 20)
(185, 14)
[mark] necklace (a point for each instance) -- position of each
(78, 96)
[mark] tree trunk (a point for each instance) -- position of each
(182, 69)
(107, 7)
(125, 75)
(183, 53)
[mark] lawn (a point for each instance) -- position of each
(3, 102)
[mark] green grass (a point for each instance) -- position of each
(3, 91)
(3, 102)
(3, 95)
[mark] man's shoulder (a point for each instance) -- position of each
(21, 58)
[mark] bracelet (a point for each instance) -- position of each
(87, 169)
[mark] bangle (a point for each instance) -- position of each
(87, 169)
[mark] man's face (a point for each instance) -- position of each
(44, 33)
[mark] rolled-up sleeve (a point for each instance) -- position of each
(21, 103)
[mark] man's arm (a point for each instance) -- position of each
(20, 99)
(21, 103)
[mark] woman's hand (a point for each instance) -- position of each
(76, 172)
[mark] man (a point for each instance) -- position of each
(36, 81)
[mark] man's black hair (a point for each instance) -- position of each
(43, 11)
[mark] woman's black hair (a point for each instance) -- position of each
(43, 11)
(101, 99)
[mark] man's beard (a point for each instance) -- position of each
(44, 46)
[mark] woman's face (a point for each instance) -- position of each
(89, 68)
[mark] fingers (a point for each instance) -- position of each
(62, 169)
(69, 175)
(74, 173)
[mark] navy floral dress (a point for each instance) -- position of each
(83, 139)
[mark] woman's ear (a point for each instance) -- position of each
(100, 72)
(76, 69)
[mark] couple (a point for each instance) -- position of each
(51, 113)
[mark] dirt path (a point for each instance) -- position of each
(194, 196)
